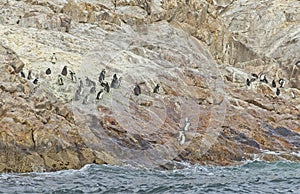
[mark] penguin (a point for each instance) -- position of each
(293, 95)
(263, 78)
(273, 84)
(114, 82)
(254, 77)
(281, 82)
(35, 81)
(277, 91)
(106, 87)
(93, 90)
(53, 58)
(73, 76)
(248, 82)
(102, 76)
(156, 89)
(64, 71)
(187, 124)
(137, 90)
(48, 71)
(99, 95)
(181, 138)
(29, 77)
(22, 74)
(60, 80)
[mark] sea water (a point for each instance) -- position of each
(251, 177)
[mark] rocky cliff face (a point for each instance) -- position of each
(199, 52)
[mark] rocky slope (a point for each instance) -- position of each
(199, 52)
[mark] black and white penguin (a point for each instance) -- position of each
(137, 90)
(29, 76)
(22, 74)
(53, 58)
(156, 89)
(263, 78)
(48, 71)
(106, 87)
(277, 91)
(35, 81)
(293, 95)
(281, 82)
(93, 90)
(60, 80)
(187, 124)
(254, 77)
(181, 137)
(64, 71)
(248, 82)
(73, 76)
(99, 95)
(114, 81)
(273, 84)
(102, 76)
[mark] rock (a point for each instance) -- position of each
(188, 47)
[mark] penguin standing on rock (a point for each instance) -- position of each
(60, 80)
(281, 82)
(99, 95)
(273, 84)
(277, 91)
(48, 71)
(248, 82)
(22, 74)
(181, 137)
(73, 76)
(156, 89)
(53, 58)
(114, 82)
(64, 71)
(106, 87)
(35, 81)
(102, 76)
(254, 77)
(137, 90)
(263, 78)
(29, 77)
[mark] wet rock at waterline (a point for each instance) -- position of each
(200, 55)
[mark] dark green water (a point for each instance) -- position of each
(253, 177)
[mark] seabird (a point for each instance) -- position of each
(29, 77)
(277, 91)
(106, 87)
(99, 95)
(254, 77)
(248, 82)
(156, 89)
(114, 82)
(35, 81)
(22, 74)
(48, 71)
(102, 76)
(293, 95)
(281, 82)
(53, 58)
(60, 80)
(73, 76)
(181, 138)
(64, 71)
(137, 90)
(187, 124)
(273, 84)
(263, 78)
